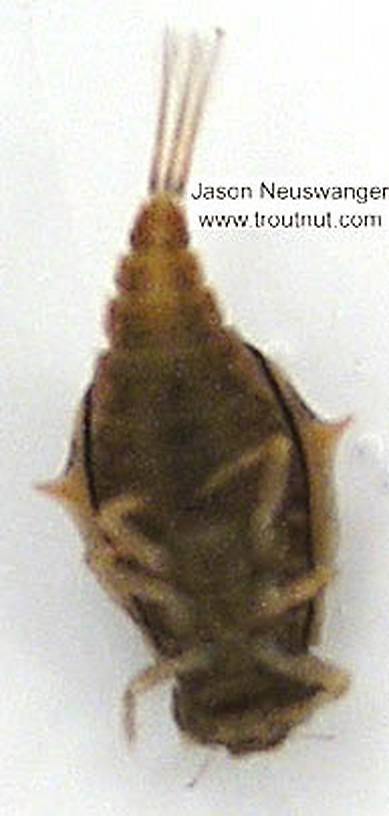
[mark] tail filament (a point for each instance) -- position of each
(185, 83)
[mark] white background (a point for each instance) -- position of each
(301, 96)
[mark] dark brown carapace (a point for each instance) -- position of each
(201, 481)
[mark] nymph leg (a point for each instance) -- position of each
(275, 599)
(125, 582)
(306, 669)
(159, 672)
(114, 519)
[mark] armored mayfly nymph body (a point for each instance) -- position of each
(200, 480)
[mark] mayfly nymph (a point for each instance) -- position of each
(200, 480)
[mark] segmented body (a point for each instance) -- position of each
(202, 485)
